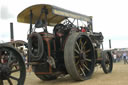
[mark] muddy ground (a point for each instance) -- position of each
(119, 76)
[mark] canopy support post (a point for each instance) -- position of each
(31, 16)
(45, 10)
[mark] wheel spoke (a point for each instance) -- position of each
(15, 70)
(11, 62)
(77, 51)
(88, 60)
(14, 78)
(84, 44)
(107, 67)
(10, 82)
(76, 56)
(77, 62)
(82, 71)
(107, 58)
(10, 56)
(108, 64)
(78, 46)
(16, 64)
(86, 67)
(87, 51)
(1, 82)
(81, 44)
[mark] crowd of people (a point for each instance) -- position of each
(118, 57)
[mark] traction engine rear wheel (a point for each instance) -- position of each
(79, 56)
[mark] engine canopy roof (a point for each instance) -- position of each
(55, 14)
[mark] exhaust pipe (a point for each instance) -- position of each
(11, 32)
(110, 44)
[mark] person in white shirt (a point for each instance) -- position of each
(114, 56)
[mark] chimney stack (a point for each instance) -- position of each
(11, 32)
(109, 44)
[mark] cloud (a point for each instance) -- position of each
(5, 13)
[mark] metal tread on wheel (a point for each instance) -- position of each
(107, 62)
(12, 66)
(79, 56)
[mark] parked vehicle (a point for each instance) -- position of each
(71, 49)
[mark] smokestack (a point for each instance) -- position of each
(11, 32)
(110, 44)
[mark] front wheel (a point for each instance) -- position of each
(107, 62)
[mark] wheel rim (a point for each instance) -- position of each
(13, 70)
(82, 53)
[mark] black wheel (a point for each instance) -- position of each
(35, 47)
(12, 67)
(79, 56)
(43, 68)
(107, 62)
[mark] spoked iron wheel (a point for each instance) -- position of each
(12, 67)
(79, 56)
(107, 62)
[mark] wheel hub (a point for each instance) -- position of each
(83, 56)
(4, 71)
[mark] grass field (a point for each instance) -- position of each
(119, 76)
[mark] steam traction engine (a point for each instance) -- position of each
(71, 49)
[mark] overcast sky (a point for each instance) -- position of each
(109, 17)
